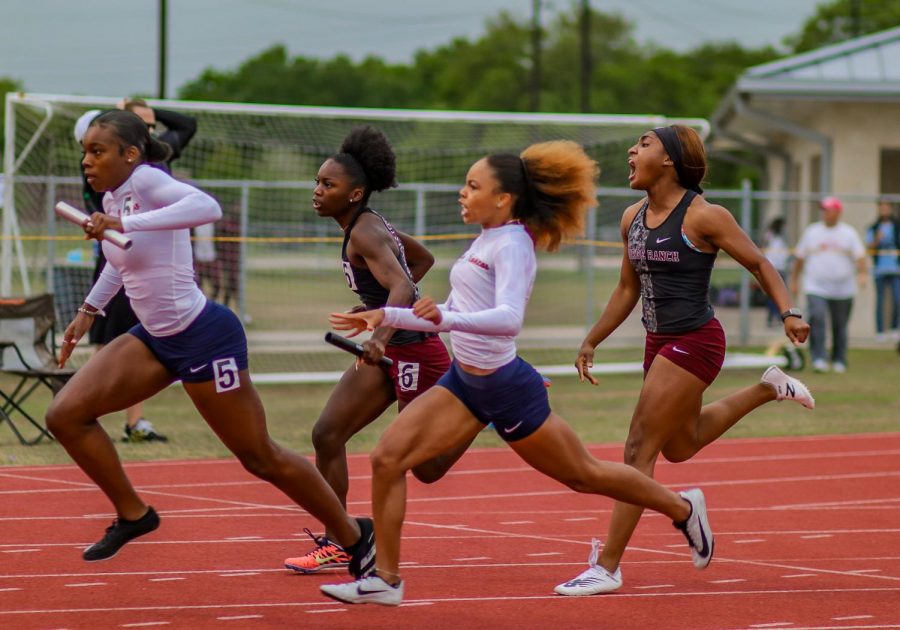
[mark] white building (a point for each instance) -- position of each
(824, 122)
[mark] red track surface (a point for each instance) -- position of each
(807, 536)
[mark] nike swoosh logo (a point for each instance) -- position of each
(705, 550)
(197, 369)
(361, 591)
(679, 350)
(663, 240)
(513, 427)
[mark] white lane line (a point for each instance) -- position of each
(582, 518)
(865, 571)
(798, 575)
(144, 624)
(411, 604)
(813, 536)
(853, 617)
(21, 550)
(327, 610)
(166, 579)
(732, 581)
(471, 559)
(11, 588)
(517, 522)
(241, 574)
(747, 541)
(239, 617)
(545, 553)
(649, 586)
(776, 624)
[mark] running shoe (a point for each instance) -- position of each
(368, 590)
(696, 528)
(119, 533)
(594, 580)
(143, 431)
(326, 555)
(787, 387)
(362, 556)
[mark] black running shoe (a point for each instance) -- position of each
(362, 554)
(119, 533)
(143, 431)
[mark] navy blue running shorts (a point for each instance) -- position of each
(212, 347)
(514, 398)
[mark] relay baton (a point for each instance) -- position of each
(353, 348)
(76, 216)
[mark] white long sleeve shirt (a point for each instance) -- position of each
(490, 286)
(157, 212)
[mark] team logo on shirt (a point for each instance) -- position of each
(127, 208)
(479, 263)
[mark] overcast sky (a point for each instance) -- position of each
(108, 47)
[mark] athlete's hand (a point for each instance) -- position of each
(373, 350)
(585, 362)
(425, 308)
(99, 222)
(74, 332)
(796, 330)
(357, 322)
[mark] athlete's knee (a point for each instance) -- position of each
(637, 452)
(385, 462)
(64, 417)
(327, 437)
(264, 463)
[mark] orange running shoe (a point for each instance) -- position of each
(326, 555)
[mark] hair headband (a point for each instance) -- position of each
(672, 144)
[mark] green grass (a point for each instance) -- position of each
(862, 400)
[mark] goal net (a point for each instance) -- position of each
(276, 263)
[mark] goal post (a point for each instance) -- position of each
(275, 262)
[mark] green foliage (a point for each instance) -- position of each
(839, 20)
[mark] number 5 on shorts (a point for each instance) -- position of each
(225, 373)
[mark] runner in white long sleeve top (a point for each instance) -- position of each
(540, 196)
(180, 335)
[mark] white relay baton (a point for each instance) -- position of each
(76, 216)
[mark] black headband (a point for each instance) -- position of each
(672, 144)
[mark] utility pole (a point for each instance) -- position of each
(586, 65)
(855, 18)
(163, 45)
(535, 91)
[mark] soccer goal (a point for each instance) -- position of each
(276, 262)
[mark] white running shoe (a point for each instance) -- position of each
(368, 590)
(838, 367)
(820, 365)
(594, 581)
(696, 528)
(787, 387)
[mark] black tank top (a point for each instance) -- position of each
(366, 286)
(674, 275)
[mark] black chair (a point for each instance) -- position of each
(28, 354)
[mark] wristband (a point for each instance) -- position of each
(99, 311)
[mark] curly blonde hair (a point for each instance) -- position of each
(555, 183)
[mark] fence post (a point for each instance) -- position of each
(51, 229)
(588, 259)
(746, 219)
(420, 212)
(245, 222)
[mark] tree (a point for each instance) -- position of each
(839, 20)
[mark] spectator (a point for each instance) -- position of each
(229, 255)
(778, 253)
(207, 267)
(826, 256)
(883, 238)
(120, 318)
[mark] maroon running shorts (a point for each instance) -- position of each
(417, 366)
(700, 351)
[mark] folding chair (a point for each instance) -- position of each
(28, 352)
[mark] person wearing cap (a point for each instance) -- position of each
(830, 259)
(120, 317)
(671, 239)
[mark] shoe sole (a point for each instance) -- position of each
(349, 601)
(324, 567)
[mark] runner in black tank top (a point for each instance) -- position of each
(382, 266)
(668, 268)
(674, 274)
(363, 282)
